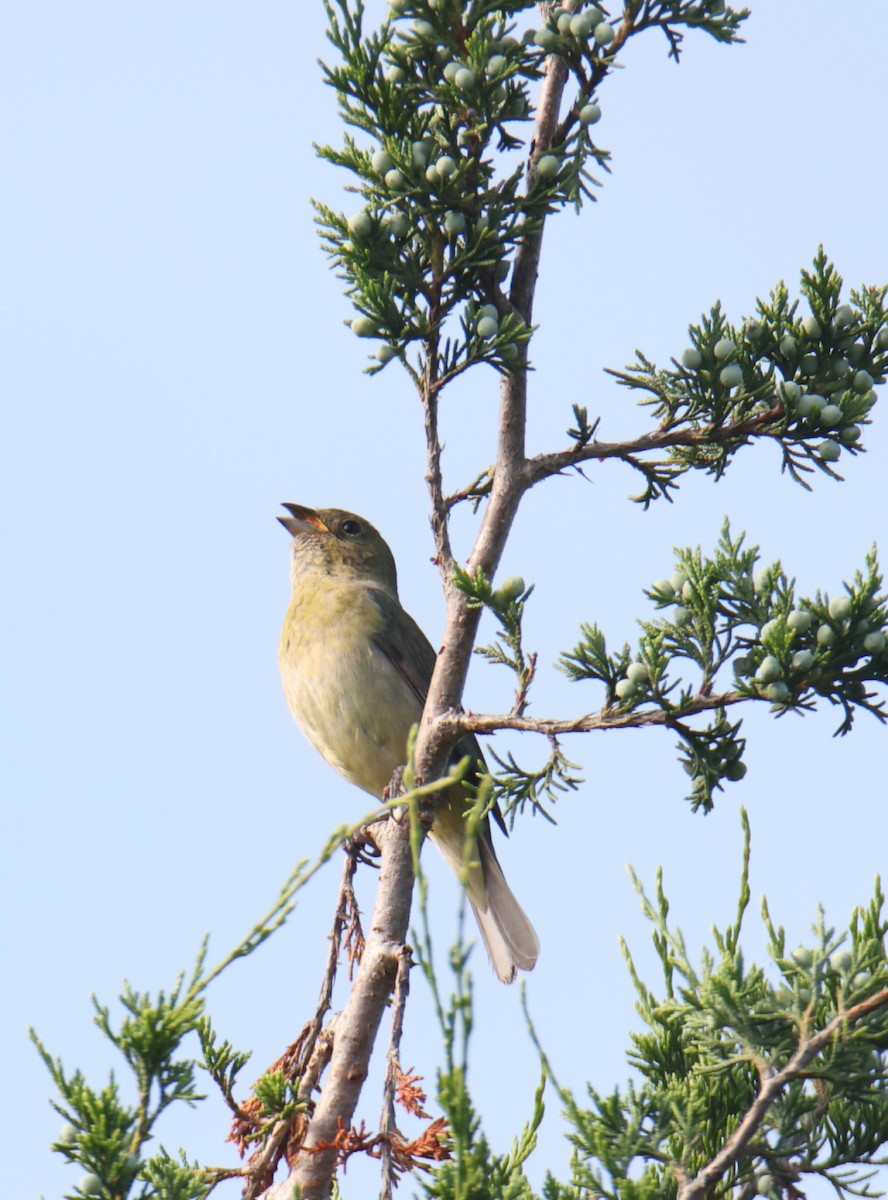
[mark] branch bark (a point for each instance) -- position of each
(358, 1023)
(510, 478)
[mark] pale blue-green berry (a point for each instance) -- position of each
(496, 65)
(508, 352)
(664, 588)
(450, 71)
(501, 270)
(364, 326)
(396, 74)
(604, 33)
(386, 353)
(67, 1133)
(589, 114)
(789, 390)
(488, 310)
(881, 342)
(680, 615)
(840, 608)
(863, 381)
(860, 980)
(546, 38)
(581, 25)
(431, 174)
(512, 588)
(464, 79)
(548, 166)
(692, 359)
(637, 672)
(811, 327)
(855, 352)
(395, 180)
(743, 664)
(360, 224)
(777, 692)
(454, 222)
(808, 365)
(851, 434)
(874, 642)
(825, 635)
(841, 961)
(768, 628)
(731, 376)
(829, 450)
(803, 660)
(398, 224)
(809, 405)
(723, 347)
(678, 580)
(760, 579)
(844, 315)
(687, 590)
(424, 29)
(381, 162)
(840, 368)
(563, 22)
(445, 166)
(487, 327)
(716, 7)
(831, 415)
(804, 957)
(419, 154)
(624, 689)
(800, 620)
(788, 346)
(595, 14)
(735, 771)
(90, 1185)
(769, 668)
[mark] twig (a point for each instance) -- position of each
(544, 465)
(736, 1145)
(510, 476)
(458, 723)
(358, 1023)
(388, 1126)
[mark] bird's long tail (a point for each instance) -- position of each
(510, 938)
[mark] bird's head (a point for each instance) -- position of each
(337, 543)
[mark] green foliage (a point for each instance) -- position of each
(785, 651)
(515, 788)
(439, 97)
(804, 382)
(712, 1037)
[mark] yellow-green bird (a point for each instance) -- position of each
(356, 671)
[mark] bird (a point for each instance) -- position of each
(356, 670)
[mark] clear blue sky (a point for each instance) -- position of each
(174, 365)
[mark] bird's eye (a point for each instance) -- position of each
(352, 528)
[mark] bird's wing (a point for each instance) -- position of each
(411, 654)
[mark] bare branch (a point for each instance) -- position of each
(544, 465)
(388, 1126)
(510, 477)
(358, 1023)
(772, 1086)
(458, 723)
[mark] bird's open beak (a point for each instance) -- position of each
(302, 520)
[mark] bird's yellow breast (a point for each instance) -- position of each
(346, 695)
